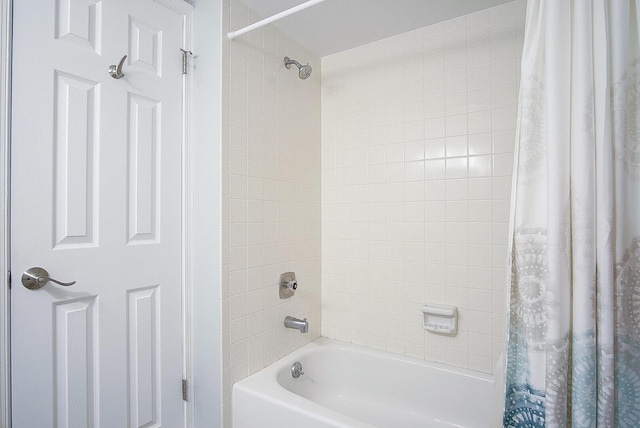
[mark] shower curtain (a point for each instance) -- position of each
(573, 352)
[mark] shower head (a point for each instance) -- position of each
(304, 71)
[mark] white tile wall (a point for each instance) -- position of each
(417, 144)
(270, 197)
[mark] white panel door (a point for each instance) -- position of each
(97, 198)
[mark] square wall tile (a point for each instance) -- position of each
(416, 168)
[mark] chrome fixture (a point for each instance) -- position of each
(304, 71)
(296, 370)
(288, 285)
(184, 59)
(115, 71)
(36, 278)
(302, 325)
(233, 34)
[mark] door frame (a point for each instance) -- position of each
(201, 229)
(5, 132)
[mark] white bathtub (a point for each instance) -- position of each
(346, 385)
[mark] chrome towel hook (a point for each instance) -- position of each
(115, 71)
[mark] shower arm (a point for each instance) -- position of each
(288, 61)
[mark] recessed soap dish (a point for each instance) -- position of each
(441, 319)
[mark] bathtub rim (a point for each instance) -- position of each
(261, 383)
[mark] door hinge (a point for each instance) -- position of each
(184, 390)
(9, 278)
(184, 59)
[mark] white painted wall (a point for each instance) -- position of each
(417, 145)
(205, 173)
(270, 197)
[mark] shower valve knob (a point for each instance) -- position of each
(292, 285)
(288, 285)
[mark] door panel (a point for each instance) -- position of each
(80, 23)
(76, 334)
(96, 198)
(144, 356)
(74, 167)
(142, 183)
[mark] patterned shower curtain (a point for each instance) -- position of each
(573, 353)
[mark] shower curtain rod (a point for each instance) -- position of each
(233, 34)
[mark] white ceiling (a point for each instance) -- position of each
(338, 25)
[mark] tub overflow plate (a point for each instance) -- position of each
(296, 370)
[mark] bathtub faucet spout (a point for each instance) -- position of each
(302, 325)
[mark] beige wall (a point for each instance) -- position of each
(271, 197)
(417, 147)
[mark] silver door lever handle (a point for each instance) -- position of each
(115, 71)
(36, 277)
